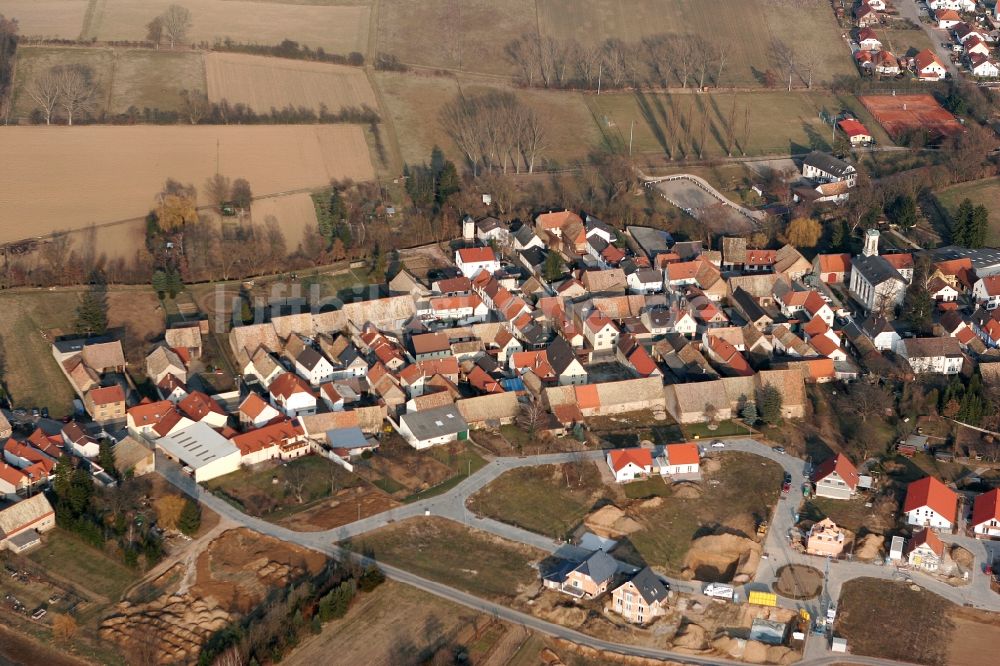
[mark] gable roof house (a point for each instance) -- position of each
(163, 361)
(105, 404)
(22, 523)
(590, 578)
(986, 291)
(789, 261)
(640, 599)
(985, 520)
(930, 503)
(292, 395)
(431, 427)
(472, 260)
(680, 459)
(868, 40)
(564, 363)
(928, 66)
(925, 550)
(942, 356)
(199, 407)
(947, 18)
(836, 478)
(185, 340)
(630, 464)
(876, 284)
(255, 412)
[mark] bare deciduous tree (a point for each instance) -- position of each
(176, 21)
(217, 189)
(44, 90)
(77, 93)
(196, 105)
(784, 58)
(494, 131)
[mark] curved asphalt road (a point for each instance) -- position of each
(452, 505)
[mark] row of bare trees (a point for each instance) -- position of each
(657, 61)
(67, 88)
(495, 131)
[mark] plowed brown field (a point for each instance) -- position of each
(70, 177)
(262, 83)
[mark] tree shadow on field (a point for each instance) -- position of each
(650, 117)
(816, 141)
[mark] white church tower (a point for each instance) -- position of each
(468, 228)
(871, 243)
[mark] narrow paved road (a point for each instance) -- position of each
(908, 9)
(452, 505)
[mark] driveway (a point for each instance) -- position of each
(908, 9)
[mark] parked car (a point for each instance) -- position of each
(718, 444)
(45, 412)
(788, 478)
(779, 449)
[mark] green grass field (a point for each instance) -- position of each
(904, 42)
(254, 491)
(550, 500)
(471, 560)
(671, 124)
(75, 561)
(985, 192)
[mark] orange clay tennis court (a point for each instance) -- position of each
(901, 114)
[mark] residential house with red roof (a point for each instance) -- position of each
(681, 459)
(925, 551)
(633, 355)
(930, 503)
(292, 395)
(255, 412)
(472, 260)
(836, 478)
(630, 464)
(730, 362)
(947, 19)
(105, 404)
(981, 65)
(986, 515)
(928, 66)
(199, 407)
(283, 440)
(600, 332)
(986, 291)
(856, 133)
(868, 40)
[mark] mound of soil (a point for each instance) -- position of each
(691, 637)
(796, 581)
(610, 522)
(869, 547)
(234, 574)
(709, 465)
(719, 558)
(687, 490)
(962, 557)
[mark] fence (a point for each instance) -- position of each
(712, 192)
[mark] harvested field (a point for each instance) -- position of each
(264, 83)
(336, 29)
(984, 192)
(780, 122)
(395, 610)
(35, 60)
(16, 648)
(88, 163)
(902, 114)
(414, 102)
(294, 212)
(747, 28)
(472, 560)
(50, 19)
(975, 633)
(440, 33)
(154, 79)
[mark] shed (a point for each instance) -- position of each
(896, 549)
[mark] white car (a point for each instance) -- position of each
(718, 444)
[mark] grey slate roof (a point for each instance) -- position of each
(560, 355)
(308, 358)
(599, 567)
(436, 422)
(828, 163)
(651, 241)
(748, 305)
(524, 234)
(650, 587)
(876, 270)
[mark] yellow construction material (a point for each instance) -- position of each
(763, 598)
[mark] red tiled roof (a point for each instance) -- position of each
(815, 327)
(834, 263)
(824, 345)
(12, 475)
(842, 466)
(622, 457)
(107, 395)
(587, 396)
(986, 507)
(928, 537)
(288, 384)
(557, 220)
(991, 283)
(932, 493)
(150, 412)
(456, 302)
(198, 405)
(853, 128)
(899, 261)
(274, 434)
(597, 321)
(253, 405)
(926, 58)
(475, 255)
(683, 454)
(641, 361)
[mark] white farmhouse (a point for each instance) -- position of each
(471, 260)
(431, 427)
(941, 356)
(630, 464)
(930, 503)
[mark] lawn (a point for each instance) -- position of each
(631, 428)
(410, 475)
(550, 499)
(414, 104)
(154, 79)
(30, 374)
(73, 560)
(744, 489)
(439, 549)
(463, 460)
(891, 621)
(671, 124)
(904, 42)
(253, 489)
(981, 192)
(32, 61)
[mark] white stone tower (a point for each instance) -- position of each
(871, 243)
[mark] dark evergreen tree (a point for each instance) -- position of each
(190, 518)
(769, 402)
(92, 312)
